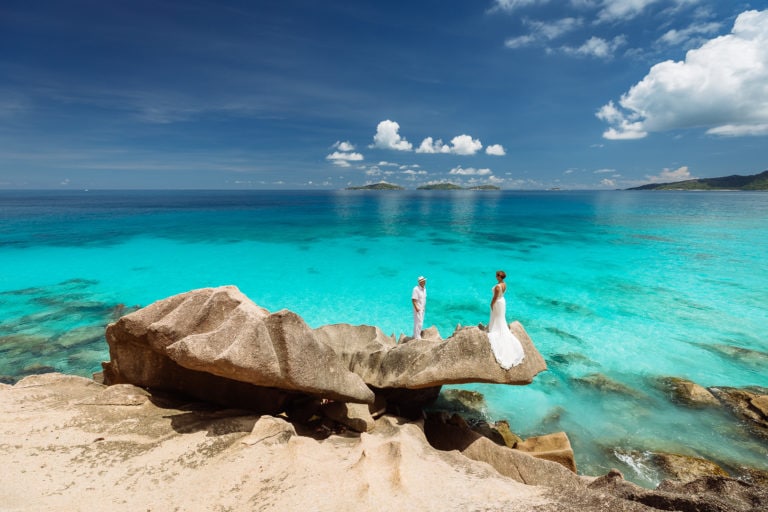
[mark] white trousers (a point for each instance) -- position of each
(418, 323)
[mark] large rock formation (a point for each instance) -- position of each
(464, 357)
(217, 345)
(185, 341)
(69, 443)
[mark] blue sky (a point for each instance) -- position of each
(524, 94)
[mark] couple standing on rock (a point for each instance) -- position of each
(505, 346)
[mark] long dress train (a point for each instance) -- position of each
(505, 346)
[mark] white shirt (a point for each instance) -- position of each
(420, 296)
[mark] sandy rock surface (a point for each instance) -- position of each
(68, 443)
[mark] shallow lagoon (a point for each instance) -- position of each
(616, 289)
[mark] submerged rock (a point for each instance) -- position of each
(685, 468)
(746, 356)
(606, 384)
(747, 404)
(760, 404)
(674, 466)
(687, 392)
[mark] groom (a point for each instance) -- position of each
(419, 300)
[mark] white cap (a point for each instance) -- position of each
(422, 278)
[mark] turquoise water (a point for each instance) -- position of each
(630, 286)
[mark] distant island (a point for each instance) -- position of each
(383, 185)
(734, 182)
(453, 186)
(484, 187)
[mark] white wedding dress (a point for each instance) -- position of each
(505, 346)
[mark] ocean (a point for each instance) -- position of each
(617, 289)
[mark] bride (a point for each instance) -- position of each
(506, 347)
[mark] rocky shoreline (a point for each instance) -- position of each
(210, 402)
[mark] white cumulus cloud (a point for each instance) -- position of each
(720, 86)
(388, 137)
(624, 128)
(470, 171)
(465, 145)
(430, 145)
(460, 145)
(670, 175)
(495, 150)
(342, 159)
(344, 146)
